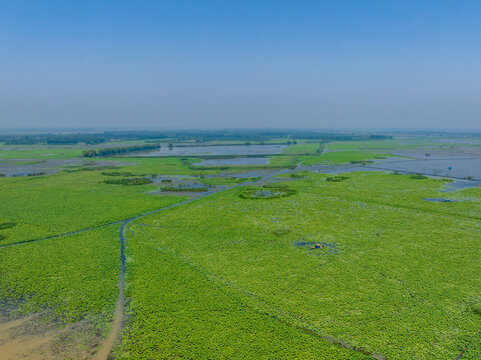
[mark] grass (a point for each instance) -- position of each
(398, 284)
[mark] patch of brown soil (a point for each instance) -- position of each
(30, 338)
(108, 344)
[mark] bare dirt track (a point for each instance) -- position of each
(31, 338)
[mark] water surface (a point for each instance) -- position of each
(216, 150)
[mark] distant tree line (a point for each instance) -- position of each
(196, 136)
(53, 139)
(200, 136)
(119, 150)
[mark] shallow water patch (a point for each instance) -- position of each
(439, 200)
(460, 185)
(319, 245)
(235, 161)
(266, 192)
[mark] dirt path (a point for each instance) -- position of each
(109, 343)
(27, 338)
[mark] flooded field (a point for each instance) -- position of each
(465, 172)
(462, 168)
(428, 154)
(439, 200)
(216, 150)
(234, 161)
(28, 167)
(250, 230)
(460, 184)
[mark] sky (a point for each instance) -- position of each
(240, 64)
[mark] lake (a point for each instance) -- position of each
(216, 150)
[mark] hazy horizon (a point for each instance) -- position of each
(224, 65)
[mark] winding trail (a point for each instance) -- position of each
(116, 328)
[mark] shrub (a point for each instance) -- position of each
(184, 188)
(281, 232)
(337, 178)
(266, 192)
(363, 162)
(476, 308)
(129, 181)
(418, 176)
(119, 150)
(118, 173)
(7, 225)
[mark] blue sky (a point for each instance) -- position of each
(211, 64)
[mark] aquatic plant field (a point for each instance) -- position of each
(359, 290)
(320, 253)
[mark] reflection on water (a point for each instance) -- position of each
(234, 161)
(216, 150)
(464, 168)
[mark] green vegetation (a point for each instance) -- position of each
(129, 181)
(184, 188)
(418, 177)
(476, 308)
(341, 157)
(166, 166)
(40, 152)
(228, 180)
(7, 225)
(266, 192)
(399, 284)
(337, 178)
(290, 264)
(283, 161)
(179, 309)
(302, 149)
(55, 139)
(118, 173)
(66, 279)
(119, 150)
(56, 204)
(385, 144)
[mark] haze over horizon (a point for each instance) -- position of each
(249, 64)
